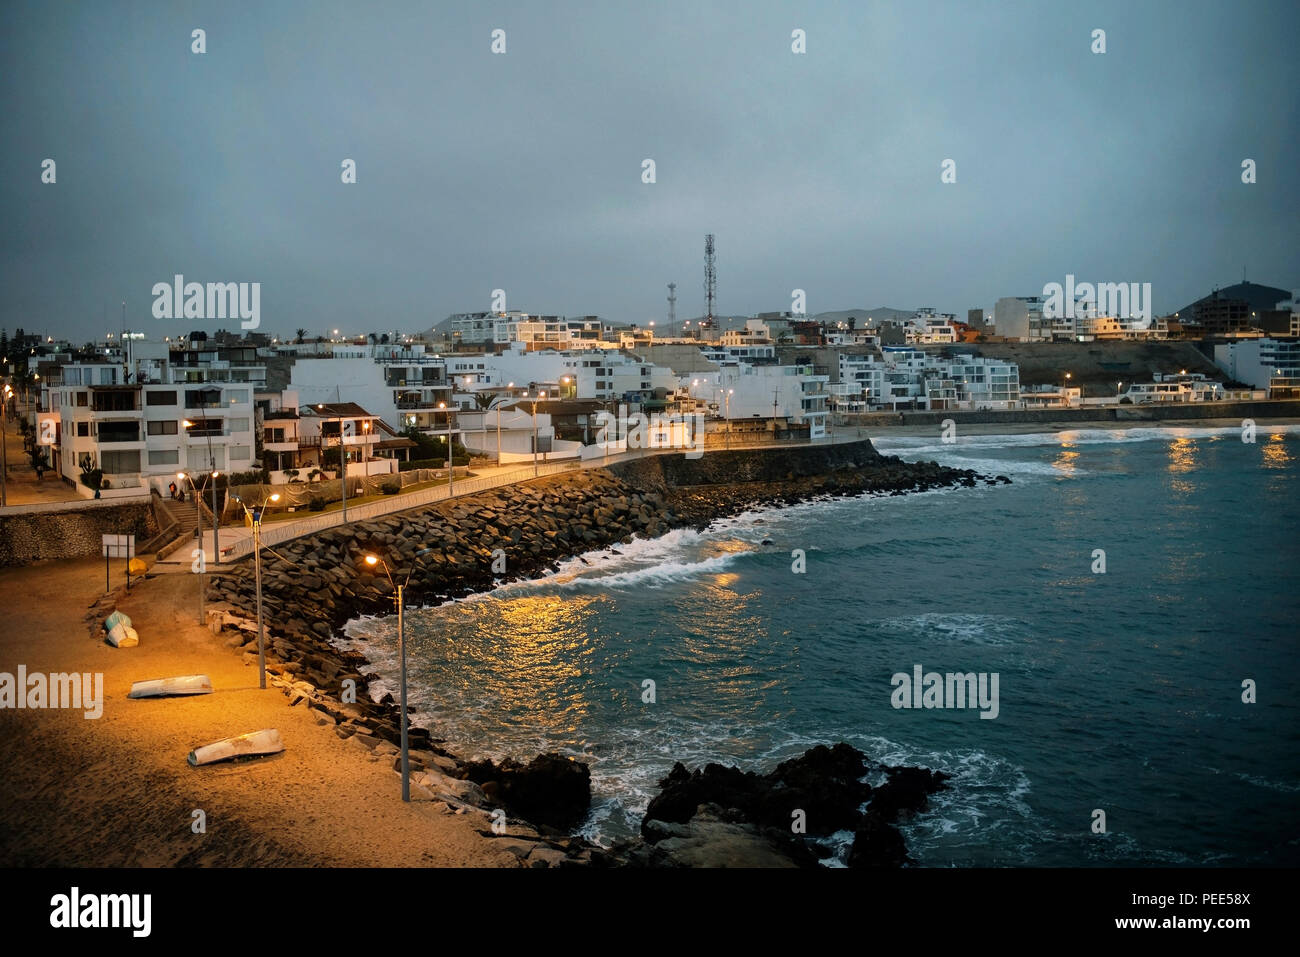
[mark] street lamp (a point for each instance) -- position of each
(509, 386)
(256, 516)
(212, 463)
(451, 475)
(373, 560)
(729, 394)
(540, 396)
(343, 458)
(4, 448)
(198, 517)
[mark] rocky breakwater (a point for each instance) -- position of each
(724, 817)
(724, 483)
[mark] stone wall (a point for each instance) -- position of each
(73, 533)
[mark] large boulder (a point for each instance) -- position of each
(551, 789)
(906, 791)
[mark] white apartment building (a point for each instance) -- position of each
(926, 327)
(548, 332)
(905, 377)
(140, 432)
(1272, 364)
(773, 393)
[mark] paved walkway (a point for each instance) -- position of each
(21, 484)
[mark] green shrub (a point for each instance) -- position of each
(93, 479)
(391, 488)
(316, 504)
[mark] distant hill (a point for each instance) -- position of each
(1261, 298)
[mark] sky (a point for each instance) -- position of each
(523, 170)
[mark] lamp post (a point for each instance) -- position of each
(212, 466)
(256, 516)
(729, 394)
(343, 458)
(540, 396)
(198, 518)
(509, 386)
(373, 560)
(450, 465)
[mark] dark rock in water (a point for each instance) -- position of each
(683, 791)
(825, 784)
(877, 843)
(551, 789)
(906, 792)
(767, 541)
(717, 838)
(718, 816)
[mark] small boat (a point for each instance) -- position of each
(254, 743)
(164, 687)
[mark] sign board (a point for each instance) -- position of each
(118, 546)
(47, 429)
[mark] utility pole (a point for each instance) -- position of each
(672, 308)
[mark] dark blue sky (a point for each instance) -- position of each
(523, 171)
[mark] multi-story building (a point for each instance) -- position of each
(141, 427)
(1021, 317)
(1272, 364)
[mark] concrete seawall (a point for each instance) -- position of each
(35, 536)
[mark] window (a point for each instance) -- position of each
(160, 398)
(83, 429)
(163, 427)
(205, 427)
(83, 399)
(237, 425)
(237, 396)
(120, 462)
(164, 456)
(240, 453)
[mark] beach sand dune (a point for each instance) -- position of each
(117, 791)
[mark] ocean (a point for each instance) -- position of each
(1119, 691)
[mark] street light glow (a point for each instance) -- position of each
(372, 560)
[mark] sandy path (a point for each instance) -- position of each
(118, 791)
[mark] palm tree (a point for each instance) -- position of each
(301, 334)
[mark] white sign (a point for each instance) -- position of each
(118, 546)
(47, 427)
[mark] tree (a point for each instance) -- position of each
(300, 334)
(374, 339)
(383, 340)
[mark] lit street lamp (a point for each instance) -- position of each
(540, 396)
(372, 561)
(256, 516)
(729, 394)
(198, 517)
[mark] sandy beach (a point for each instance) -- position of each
(117, 791)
